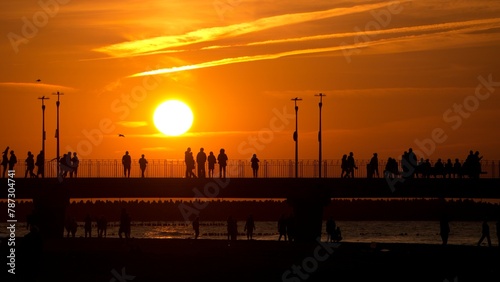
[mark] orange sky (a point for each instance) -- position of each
(394, 74)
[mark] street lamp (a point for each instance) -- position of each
(57, 131)
(296, 136)
(43, 98)
(319, 132)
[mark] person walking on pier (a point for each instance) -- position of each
(255, 165)
(40, 163)
(30, 165)
(142, 165)
(12, 160)
(351, 165)
(127, 162)
(201, 159)
(5, 161)
(75, 162)
(211, 164)
(222, 160)
(189, 160)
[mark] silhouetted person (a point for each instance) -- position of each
(249, 227)
(330, 229)
(485, 233)
(498, 231)
(40, 164)
(439, 169)
(189, 160)
(373, 166)
(448, 168)
(12, 160)
(201, 159)
(127, 162)
(75, 163)
(255, 165)
(457, 169)
(30, 165)
(343, 166)
(196, 227)
(282, 227)
(88, 226)
(412, 162)
(71, 226)
(222, 160)
(142, 165)
(102, 226)
(391, 168)
(125, 223)
(337, 236)
(351, 165)
(211, 164)
(63, 166)
(232, 229)
(5, 161)
(444, 229)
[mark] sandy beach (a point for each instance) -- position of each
(94, 259)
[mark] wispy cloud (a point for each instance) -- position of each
(131, 48)
(132, 124)
(36, 85)
(443, 31)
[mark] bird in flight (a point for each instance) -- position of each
(121, 135)
(38, 80)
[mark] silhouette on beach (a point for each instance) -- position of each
(125, 223)
(331, 226)
(497, 225)
(71, 226)
(143, 164)
(255, 165)
(485, 234)
(196, 227)
(444, 229)
(88, 226)
(102, 226)
(232, 229)
(211, 164)
(126, 162)
(201, 159)
(222, 160)
(249, 227)
(189, 160)
(282, 227)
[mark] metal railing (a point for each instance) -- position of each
(274, 168)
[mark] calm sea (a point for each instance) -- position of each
(425, 232)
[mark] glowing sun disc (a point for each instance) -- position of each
(173, 118)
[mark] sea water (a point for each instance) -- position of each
(422, 232)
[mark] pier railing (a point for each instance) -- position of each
(274, 168)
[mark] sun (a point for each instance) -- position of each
(173, 118)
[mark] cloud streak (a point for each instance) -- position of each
(440, 30)
(132, 48)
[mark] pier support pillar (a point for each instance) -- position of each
(49, 211)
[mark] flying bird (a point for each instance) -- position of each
(121, 135)
(38, 80)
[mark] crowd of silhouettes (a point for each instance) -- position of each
(201, 162)
(348, 165)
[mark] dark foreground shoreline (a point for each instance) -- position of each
(80, 259)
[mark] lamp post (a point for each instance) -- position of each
(58, 103)
(43, 98)
(296, 136)
(319, 132)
